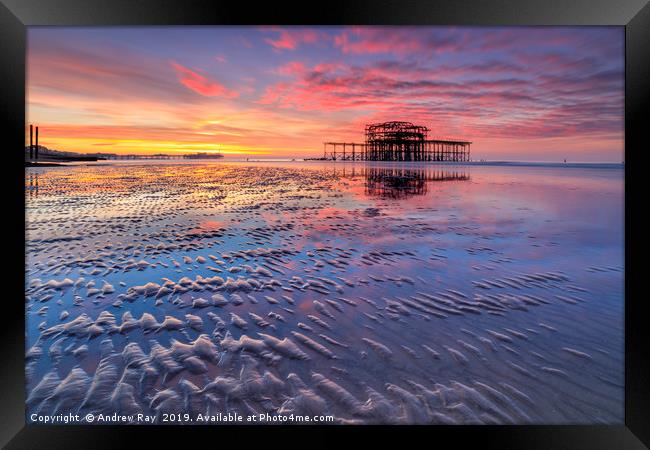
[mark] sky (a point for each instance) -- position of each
(518, 93)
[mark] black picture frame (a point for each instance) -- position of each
(16, 15)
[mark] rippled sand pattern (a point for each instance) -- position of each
(443, 295)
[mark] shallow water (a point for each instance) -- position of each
(406, 293)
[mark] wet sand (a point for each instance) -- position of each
(373, 293)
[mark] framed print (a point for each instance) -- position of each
(368, 218)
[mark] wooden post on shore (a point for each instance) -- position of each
(36, 148)
(31, 142)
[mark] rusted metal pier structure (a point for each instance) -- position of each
(398, 141)
(344, 151)
(120, 157)
(163, 156)
(33, 147)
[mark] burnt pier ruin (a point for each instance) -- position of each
(398, 141)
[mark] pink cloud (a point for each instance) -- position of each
(537, 106)
(292, 68)
(290, 39)
(201, 84)
(359, 40)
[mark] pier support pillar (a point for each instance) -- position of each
(31, 142)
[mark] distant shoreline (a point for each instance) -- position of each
(599, 165)
(582, 165)
(504, 164)
(43, 164)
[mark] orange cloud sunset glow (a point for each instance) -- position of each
(536, 94)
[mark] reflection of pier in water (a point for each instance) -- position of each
(401, 182)
(33, 185)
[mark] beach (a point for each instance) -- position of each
(374, 293)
